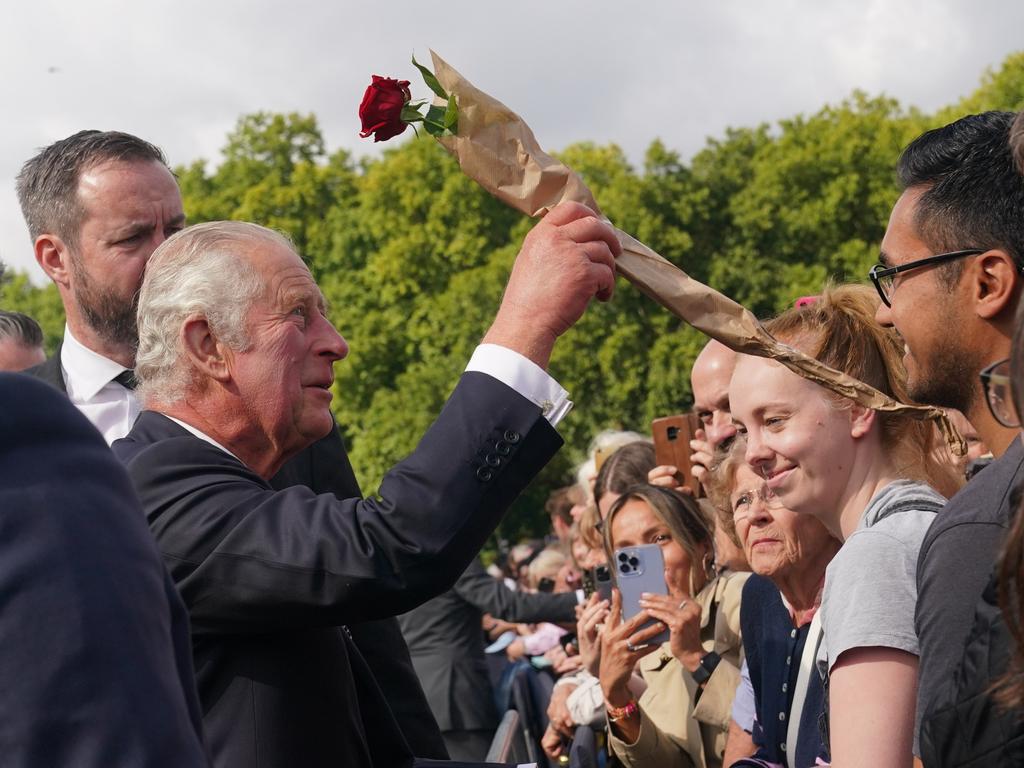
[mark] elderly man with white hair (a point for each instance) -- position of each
(235, 364)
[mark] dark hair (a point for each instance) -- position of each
(560, 502)
(21, 328)
(48, 183)
(974, 196)
(1009, 688)
(1017, 141)
(628, 466)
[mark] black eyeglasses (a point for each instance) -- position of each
(882, 276)
(995, 379)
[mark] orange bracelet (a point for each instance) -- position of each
(621, 713)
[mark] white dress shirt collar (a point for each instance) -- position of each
(87, 371)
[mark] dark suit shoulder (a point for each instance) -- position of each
(50, 371)
(81, 576)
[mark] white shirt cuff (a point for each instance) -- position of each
(525, 377)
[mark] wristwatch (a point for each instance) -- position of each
(708, 662)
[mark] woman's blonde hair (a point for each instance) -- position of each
(840, 330)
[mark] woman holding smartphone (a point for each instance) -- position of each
(874, 481)
(677, 712)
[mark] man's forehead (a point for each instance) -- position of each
(711, 373)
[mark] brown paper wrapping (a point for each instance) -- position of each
(497, 149)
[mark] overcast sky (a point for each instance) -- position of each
(180, 73)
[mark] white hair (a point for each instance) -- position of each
(609, 441)
(201, 271)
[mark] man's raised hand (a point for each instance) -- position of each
(567, 259)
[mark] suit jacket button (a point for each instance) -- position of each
(512, 436)
(492, 460)
(484, 474)
(502, 448)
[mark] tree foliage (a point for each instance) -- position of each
(413, 257)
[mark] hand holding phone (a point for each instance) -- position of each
(638, 570)
(672, 436)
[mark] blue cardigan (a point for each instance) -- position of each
(773, 649)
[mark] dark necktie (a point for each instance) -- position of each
(126, 379)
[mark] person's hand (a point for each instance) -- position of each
(558, 710)
(667, 476)
(566, 260)
(703, 455)
(683, 621)
(561, 661)
(588, 633)
(623, 644)
(552, 743)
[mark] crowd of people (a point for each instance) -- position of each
(192, 575)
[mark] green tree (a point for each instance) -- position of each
(17, 294)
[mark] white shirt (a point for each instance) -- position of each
(509, 367)
(88, 377)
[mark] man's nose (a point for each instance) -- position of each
(721, 428)
(883, 315)
(331, 343)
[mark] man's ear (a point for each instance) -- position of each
(994, 276)
(209, 357)
(53, 256)
(861, 420)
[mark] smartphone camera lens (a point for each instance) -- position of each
(624, 568)
(623, 557)
(634, 562)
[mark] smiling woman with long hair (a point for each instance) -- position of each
(682, 717)
(871, 479)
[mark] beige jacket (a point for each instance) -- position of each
(678, 729)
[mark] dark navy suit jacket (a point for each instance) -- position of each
(269, 576)
(95, 658)
(773, 650)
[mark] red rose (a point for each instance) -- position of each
(381, 109)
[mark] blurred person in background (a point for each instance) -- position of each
(447, 648)
(21, 342)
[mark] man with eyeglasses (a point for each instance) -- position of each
(950, 280)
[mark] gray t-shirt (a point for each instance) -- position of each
(871, 584)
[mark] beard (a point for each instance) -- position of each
(113, 317)
(948, 380)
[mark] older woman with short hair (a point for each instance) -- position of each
(779, 615)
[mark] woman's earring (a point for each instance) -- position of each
(709, 565)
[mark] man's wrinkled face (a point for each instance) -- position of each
(128, 208)
(942, 369)
(285, 376)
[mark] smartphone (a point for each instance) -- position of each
(637, 570)
(603, 582)
(672, 436)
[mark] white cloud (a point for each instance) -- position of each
(180, 73)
